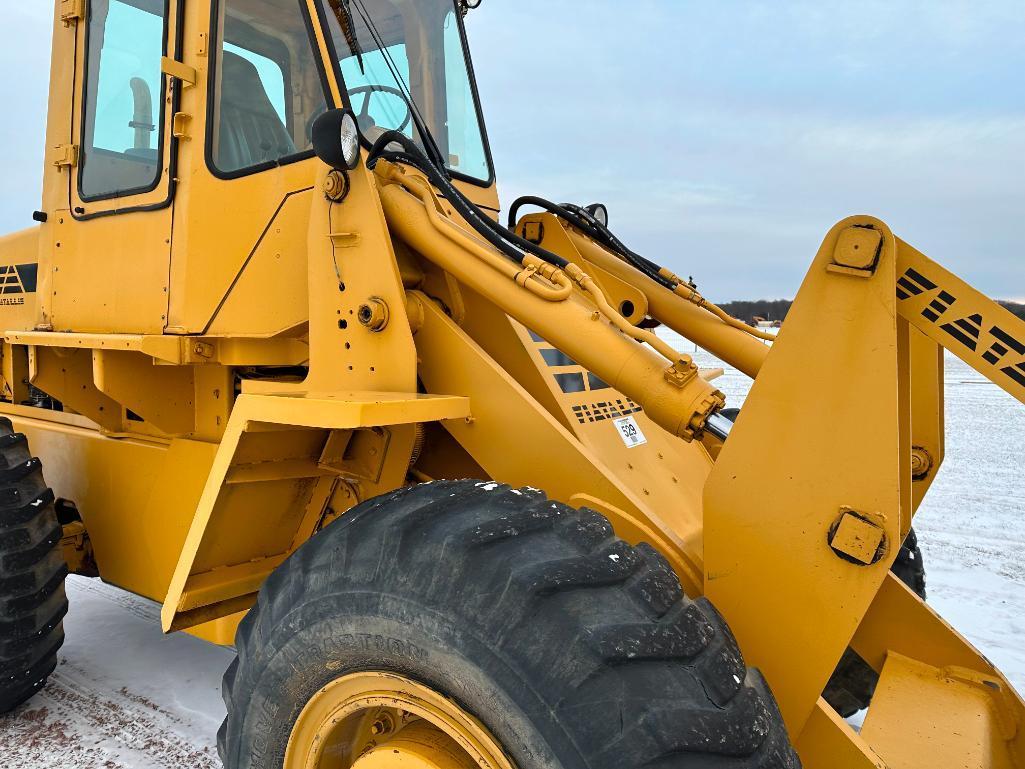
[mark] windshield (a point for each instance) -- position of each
(390, 48)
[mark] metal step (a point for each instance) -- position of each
(922, 717)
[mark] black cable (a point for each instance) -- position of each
(605, 235)
(414, 109)
(509, 243)
(586, 223)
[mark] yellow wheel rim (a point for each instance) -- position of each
(383, 721)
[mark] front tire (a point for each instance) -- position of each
(570, 648)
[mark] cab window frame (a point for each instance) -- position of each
(472, 75)
(161, 121)
(216, 47)
(336, 65)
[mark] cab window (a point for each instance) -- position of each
(121, 142)
(379, 105)
(266, 88)
(394, 52)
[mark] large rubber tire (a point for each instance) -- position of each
(575, 650)
(32, 572)
(853, 683)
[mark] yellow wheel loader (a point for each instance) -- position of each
(436, 478)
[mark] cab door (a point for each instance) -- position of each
(112, 247)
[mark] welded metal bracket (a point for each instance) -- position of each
(275, 469)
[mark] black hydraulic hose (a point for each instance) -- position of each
(591, 227)
(510, 244)
(547, 205)
(605, 235)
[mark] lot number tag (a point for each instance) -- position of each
(630, 432)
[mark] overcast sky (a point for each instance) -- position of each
(726, 137)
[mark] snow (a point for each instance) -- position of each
(125, 696)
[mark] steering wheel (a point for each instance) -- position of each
(364, 114)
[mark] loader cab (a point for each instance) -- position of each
(180, 136)
(397, 60)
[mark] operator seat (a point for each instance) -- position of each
(250, 129)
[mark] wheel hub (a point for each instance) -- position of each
(418, 746)
(377, 720)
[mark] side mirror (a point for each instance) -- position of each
(336, 139)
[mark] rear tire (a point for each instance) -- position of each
(573, 649)
(32, 572)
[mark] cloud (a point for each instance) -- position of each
(726, 138)
(920, 137)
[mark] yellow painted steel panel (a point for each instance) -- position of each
(921, 717)
(137, 498)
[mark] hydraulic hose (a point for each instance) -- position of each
(690, 320)
(681, 370)
(509, 243)
(673, 394)
(594, 229)
(560, 286)
(554, 275)
(588, 225)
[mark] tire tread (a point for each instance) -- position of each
(603, 629)
(33, 603)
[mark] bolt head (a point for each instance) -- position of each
(373, 314)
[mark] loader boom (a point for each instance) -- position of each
(962, 320)
(836, 510)
(863, 343)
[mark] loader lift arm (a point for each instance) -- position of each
(864, 342)
(803, 567)
(961, 319)
(791, 569)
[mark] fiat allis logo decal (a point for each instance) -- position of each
(1003, 352)
(16, 280)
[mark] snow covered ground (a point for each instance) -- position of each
(127, 697)
(124, 695)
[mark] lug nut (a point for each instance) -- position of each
(921, 463)
(373, 314)
(383, 725)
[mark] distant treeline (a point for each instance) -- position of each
(777, 309)
(1016, 308)
(766, 309)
